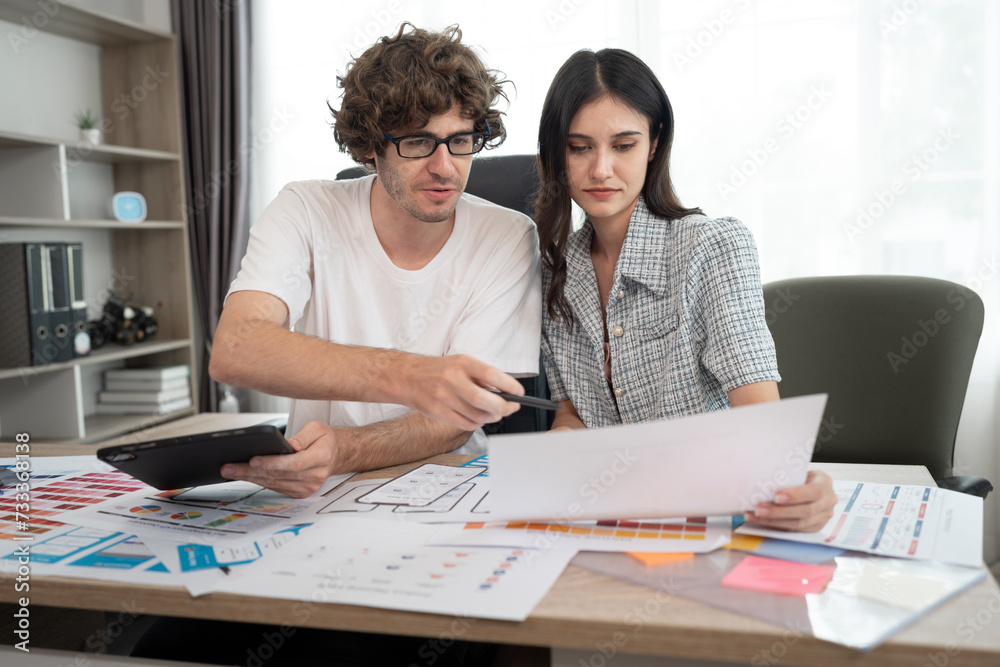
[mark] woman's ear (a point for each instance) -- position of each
(652, 146)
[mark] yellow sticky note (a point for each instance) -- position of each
(649, 558)
(744, 542)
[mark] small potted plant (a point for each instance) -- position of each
(89, 125)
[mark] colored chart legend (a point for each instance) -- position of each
(693, 534)
(73, 491)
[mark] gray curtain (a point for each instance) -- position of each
(214, 45)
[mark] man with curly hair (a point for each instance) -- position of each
(386, 306)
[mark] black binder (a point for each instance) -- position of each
(60, 308)
(25, 325)
(78, 300)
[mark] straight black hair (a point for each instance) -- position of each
(584, 78)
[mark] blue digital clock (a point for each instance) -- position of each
(128, 207)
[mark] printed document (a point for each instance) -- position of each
(919, 522)
(389, 565)
(717, 463)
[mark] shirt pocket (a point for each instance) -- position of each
(660, 322)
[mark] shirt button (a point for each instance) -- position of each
(619, 392)
(618, 331)
(621, 294)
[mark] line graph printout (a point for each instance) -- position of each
(686, 535)
(906, 521)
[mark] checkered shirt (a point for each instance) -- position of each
(685, 322)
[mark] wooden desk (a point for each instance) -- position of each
(582, 611)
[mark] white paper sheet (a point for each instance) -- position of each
(203, 568)
(691, 535)
(421, 486)
(90, 553)
(188, 515)
(466, 502)
(389, 565)
(919, 522)
(708, 464)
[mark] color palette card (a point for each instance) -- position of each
(779, 576)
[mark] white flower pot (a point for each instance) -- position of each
(92, 136)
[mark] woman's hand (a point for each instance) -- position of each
(804, 508)
(567, 419)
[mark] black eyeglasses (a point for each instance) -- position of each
(417, 146)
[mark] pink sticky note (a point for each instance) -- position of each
(779, 576)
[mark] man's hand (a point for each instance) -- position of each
(452, 389)
(298, 475)
(253, 349)
(804, 508)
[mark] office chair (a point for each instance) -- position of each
(894, 353)
(511, 181)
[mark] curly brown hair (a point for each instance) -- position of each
(400, 82)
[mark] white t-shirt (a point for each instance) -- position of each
(315, 248)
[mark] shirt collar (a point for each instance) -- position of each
(578, 264)
(642, 255)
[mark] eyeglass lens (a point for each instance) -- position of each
(459, 144)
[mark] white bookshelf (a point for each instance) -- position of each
(56, 189)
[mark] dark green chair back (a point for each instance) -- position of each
(894, 353)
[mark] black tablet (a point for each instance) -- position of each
(193, 460)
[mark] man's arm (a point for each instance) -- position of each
(324, 450)
(252, 348)
(387, 443)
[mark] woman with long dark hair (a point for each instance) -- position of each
(652, 310)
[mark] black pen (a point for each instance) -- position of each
(530, 401)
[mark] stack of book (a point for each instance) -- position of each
(145, 391)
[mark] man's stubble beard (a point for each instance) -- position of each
(404, 198)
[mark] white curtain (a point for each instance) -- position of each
(852, 136)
